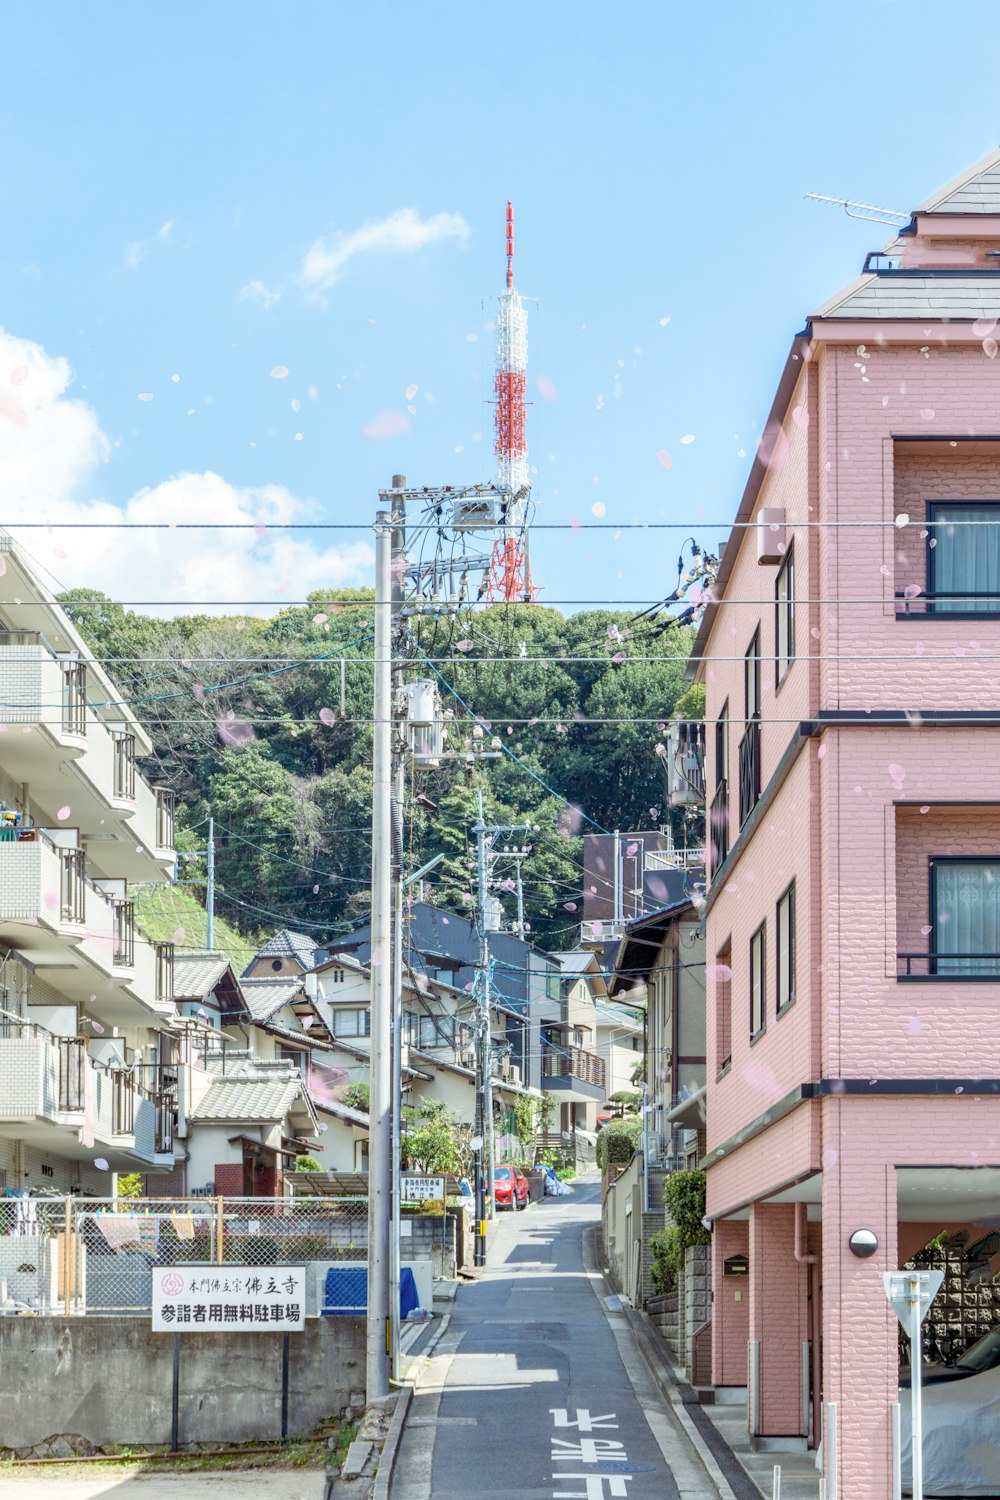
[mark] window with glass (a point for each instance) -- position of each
(786, 948)
(758, 981)
(436, 1031)
(751, 678)
(963, 557)
(784, 618)
(348, 1023)
(965, 917)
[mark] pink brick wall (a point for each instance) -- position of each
(730, 1305)
(778, 1317)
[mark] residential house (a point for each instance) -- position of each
(660, 967)
(87, 1033)
(628, 874)
(854, 777)
(284, 955)
(574, 1074)
(446, 947)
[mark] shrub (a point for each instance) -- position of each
(357, 1096)
(684, 1201)
(627, 1098)
(665, 1261)
(618, 1141)
(260, 1250)
(307, 1164)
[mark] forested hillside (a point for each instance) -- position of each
(249, 725)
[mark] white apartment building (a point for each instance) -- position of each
(88, 1055)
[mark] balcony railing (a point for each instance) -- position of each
(936, 965)
(124, 763)
(72, 1062)
(74, 704)
(123, 933)
(72, 882)
(749, 770)
(164, 1122)
(574, 1062)
(166, 802)
(122, 1104)
(970, 603)
(164, 972)
(718, 825)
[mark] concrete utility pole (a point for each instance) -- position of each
(397, 567)
(484, 1094)
(379, 1126)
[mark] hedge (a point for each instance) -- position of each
(618, 1142)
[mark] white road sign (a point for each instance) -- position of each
(898, 1289)
(419, 1189)
(229, 1299)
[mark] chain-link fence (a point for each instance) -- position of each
(94, 1256)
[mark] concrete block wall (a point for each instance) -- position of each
(230, 1384)
(697, 1298)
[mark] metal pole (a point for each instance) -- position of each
(897, 1452)
(210, 893)
(916, 1394)
(619, 903)
(284, 1386)
(379, 1128)
(776, 1489)
(830, 1439)
(175, 1395)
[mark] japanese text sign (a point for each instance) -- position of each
(420, 1189)
(229, 1299)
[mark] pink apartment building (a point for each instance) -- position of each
(851, 659)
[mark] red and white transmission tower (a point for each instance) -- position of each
(510, 570)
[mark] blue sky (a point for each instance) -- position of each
(167, 169)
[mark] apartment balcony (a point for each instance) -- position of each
(575, 1075)
(76, 936)
(56, 1097)
(69, 756)
(749, 761)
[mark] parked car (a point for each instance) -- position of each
(983, 1355)
(510, 1187)
(961, 1446)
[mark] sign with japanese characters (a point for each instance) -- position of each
(420, 1189)
(229, 1299)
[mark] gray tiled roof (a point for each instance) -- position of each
(975, 191)
(248, 1099)
(905, 297)
(264, 996)
(197, 974)
(577, 962)
(289, 944)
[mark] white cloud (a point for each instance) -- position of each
(402, 231)
(256, 291)
(166, 230)
(52, 451)
(135, 253)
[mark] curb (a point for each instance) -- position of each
(407, 1387)
(724, 1468)
(387, 1458)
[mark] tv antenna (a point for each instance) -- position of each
(891, 216)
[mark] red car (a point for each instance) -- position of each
(510, 1188)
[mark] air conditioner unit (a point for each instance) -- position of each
(505, 1066)
(515, 1073)
(770, 534)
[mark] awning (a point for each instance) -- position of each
(690, 1111)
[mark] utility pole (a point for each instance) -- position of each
(398, 566)
(379, 1126)
(210, 893)
(484, 1094)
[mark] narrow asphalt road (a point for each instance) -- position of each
(535, 1389)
